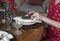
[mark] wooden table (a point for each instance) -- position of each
(29, 34)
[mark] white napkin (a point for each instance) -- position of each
(5, 36)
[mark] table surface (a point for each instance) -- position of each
(29, 34)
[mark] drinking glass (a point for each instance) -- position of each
(17, 25)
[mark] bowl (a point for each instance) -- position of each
(25, 21)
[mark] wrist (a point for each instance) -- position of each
(42, 18)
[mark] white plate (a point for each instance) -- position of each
(26, 21)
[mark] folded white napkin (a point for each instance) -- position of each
(5, 36)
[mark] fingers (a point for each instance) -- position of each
(31, 12)
(35, 15)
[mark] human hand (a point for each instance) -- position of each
(35, 15)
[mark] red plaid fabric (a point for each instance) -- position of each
(12, 4)
(2, 0)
